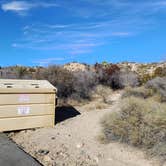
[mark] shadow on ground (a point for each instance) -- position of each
(65, 112)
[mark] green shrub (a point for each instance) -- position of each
(138, 122)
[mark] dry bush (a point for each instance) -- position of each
(16, 72)
(110, 75)
(105, 71)
(140, 92)
(85, 82)
(138, 122)
(158, 85)
(124, 79)
(144, 78)
(103, 92)
(59, 77)
(160, 72)
(73, 85)
(21, 72)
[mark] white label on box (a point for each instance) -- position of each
(23, 98)
(23, 110)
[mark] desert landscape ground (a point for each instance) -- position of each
(107, 114)
(75, 142)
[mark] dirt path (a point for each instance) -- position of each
(74, 143)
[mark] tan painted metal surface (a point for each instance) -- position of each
(26, 98)
(26, 110)
(8, 124)
(26, 104)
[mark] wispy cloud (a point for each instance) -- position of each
(73, 38)
(22, 7)
(48, 61)
(120, 19)
(108, 8)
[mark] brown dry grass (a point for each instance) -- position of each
(138, 122)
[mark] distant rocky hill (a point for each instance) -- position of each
(144, 68)
(139, 68)
(76, 67)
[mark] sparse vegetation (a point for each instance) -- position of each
(76, 85)
(158, 85)
(59, 77)
(102, 91)
(122, 79)
(21, 71)
(84, 83)
(139, 119)
(77, 81)
(138, 122)
(140, 92)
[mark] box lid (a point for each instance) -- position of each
(26, 86)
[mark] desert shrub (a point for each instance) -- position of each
(104, 72)
(122, 79)
(102, 91)
(75, 85)
(138, 122)
(59, 77)
(159, 72)
(158, 85)
(84, 83)
(112, 69)
(144, 78)
(20, 71)
(140, 92)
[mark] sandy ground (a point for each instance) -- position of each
(74, 142)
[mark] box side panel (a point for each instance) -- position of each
(16, 99)
(26, 110)
(8, 124)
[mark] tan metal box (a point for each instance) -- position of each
(26, 104)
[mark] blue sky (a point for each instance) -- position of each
(39, 32)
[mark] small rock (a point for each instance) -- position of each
(43, 151)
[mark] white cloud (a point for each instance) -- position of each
(24, 6)
(16, 6)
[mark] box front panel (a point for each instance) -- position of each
(9, 124)
(16, 99)
(9, 111)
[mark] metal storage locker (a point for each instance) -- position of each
(26, 104)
